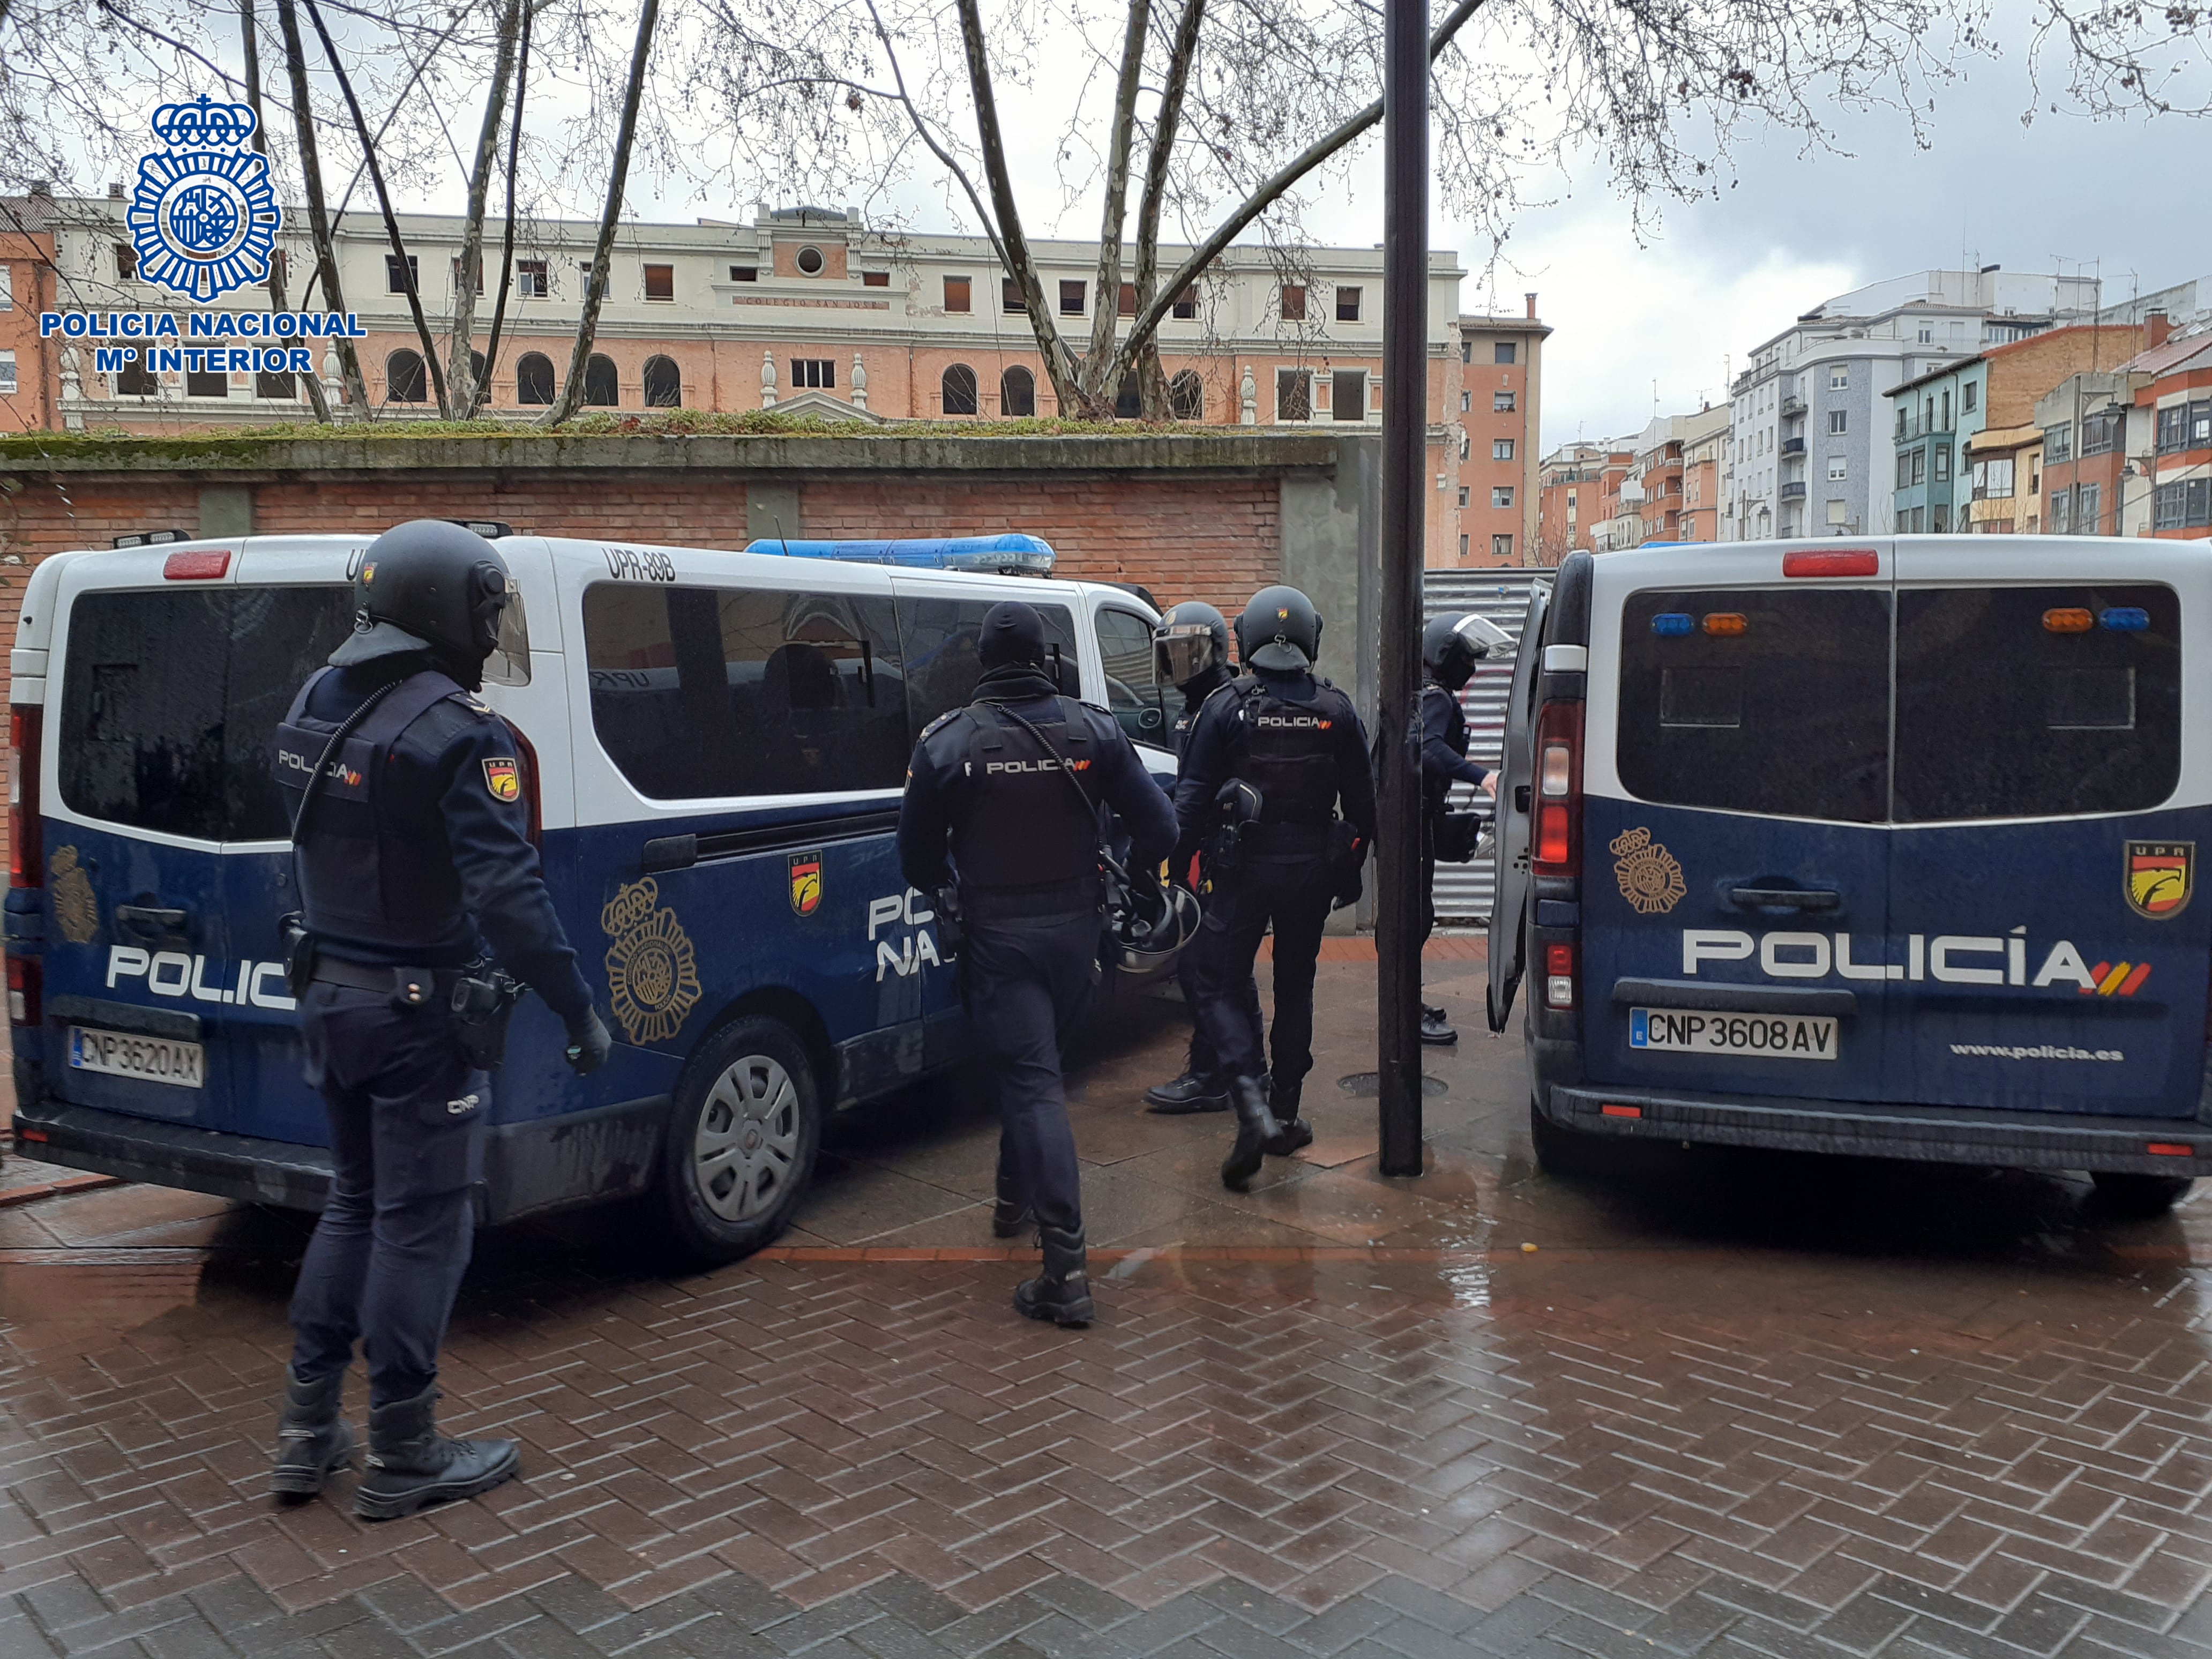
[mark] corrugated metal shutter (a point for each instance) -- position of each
(1462, 890)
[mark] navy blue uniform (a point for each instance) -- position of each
(1444, 763)
(415, 856)
(1298, 741)
(989, 810)
(1204, 1064)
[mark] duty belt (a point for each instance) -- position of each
(414, 986)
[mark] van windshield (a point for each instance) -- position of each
(170, 702)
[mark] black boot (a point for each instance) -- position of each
(1061, 1293)
(1189, 1093)
(1293, 1133)
(1435, 1029)
(1255, 1128)
(312, 1441)
(1011, 1219)
(412, 1465)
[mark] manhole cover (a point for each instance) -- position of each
(1366, 1085)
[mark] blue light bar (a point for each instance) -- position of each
(1011, 554)
(2124, 619)
(1674, 621)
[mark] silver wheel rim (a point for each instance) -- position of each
(747, 1140)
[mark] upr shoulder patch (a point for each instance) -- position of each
(503, 779)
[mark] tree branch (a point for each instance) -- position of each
(461, 375)
(1106, 310)
(507, 241)
(1181, 55)
(250, 42)
(318, 218)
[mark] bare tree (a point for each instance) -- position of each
(319, 217)
(250, 40)
(468, 274)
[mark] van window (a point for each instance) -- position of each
(937, 642)
(1789, 717)
(703, 692)
(2000, 716)
(171, 700)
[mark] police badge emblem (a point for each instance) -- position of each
(75, 906)
(652, 974)
(807, 883)
(1649, 877)
(2160, 877)
(203, 216)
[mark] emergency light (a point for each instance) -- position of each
(1010, 555)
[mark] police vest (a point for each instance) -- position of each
(374, 863)
(1434, 791)
(1024, 825)
(1287, 751)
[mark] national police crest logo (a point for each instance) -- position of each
(807, 883)
(1649, 877)
(503, 779)
(653, 975)
(203, 216)
(75, 906)
(2161, 876)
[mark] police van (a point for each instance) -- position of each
(713, 745)
(1880, 847)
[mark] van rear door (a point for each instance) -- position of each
(1735, 852)
(2050, 827)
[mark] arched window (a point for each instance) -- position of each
(959, 390)
(664, 386)
(1129, 400)
(404, 380)
(1016, 393)
(1187, 396)
(600, 388)
(533, 379)
(136, 380)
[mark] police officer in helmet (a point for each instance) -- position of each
(1293, 741)
(1450, 648)
(1002, 806)
(411, 841)
(1190, 650)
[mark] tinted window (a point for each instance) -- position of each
(702, 691)
(171, 701)
(1789, 717)
(1124, 647)
(1999, 716)
(937, 642)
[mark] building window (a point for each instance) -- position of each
(278, 387)
(2086, 504)
(126, 263)
(7, 286)
(1942, 463)
(1465, 443)
(7, 374)
(819, 373)
(664, 384)
(1927, 334)
(1946, 427)
(2185, 504)
(602, 388)
(1187, 396)
(1462, 547)
(1836, 510)
(2100, 433)
(1186, 305)
(400, 278)
(1071, 298)
(456, 273)
(1501, 402)
(404, 380)
(1347, 394)
(1838, 470)
(660, 282)
(1012, 301)
(956, 290)
(1467, 351)
(531, 279)
(1505, 351)
(2058, 446)
(1347, 304)
(136, 380)
(1293, 302)
(1919, 466)
(809, 261)
(744, 273)
(1839, 378)
(1970, 397)
(2062, 512)
(1466, 402)
(1293, 395)
(533, 379)
(1838, 422)
(1501, 547)
(1501, 496)
(1462, 494)
(875, 279)
(1017, 392)
(957, 390)
(1936, 518)
(1501, 449)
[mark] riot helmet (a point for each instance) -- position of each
(1190, 642)
(428, 586)
(1280, 630)
(1451, 645)
(1151, 922)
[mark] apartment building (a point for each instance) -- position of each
(1578, 486)
(2127, 451)
(27, 288)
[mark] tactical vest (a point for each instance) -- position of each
(1287, 751)
(1435, 792)
(374, 864)
(1023, 826)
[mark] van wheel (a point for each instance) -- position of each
(741, 1142)
(1560, 1151)
(2138, 1196)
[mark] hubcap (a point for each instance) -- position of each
(747, 1140)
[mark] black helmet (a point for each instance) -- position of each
(1151, 922)
(1280, 630)
(1452, 645)
(427, 585)
(1191, 640)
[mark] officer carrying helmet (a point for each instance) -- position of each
(1278, 752)
(411, 841)
(1190, 650)
(1450, 648)
(1001, 820)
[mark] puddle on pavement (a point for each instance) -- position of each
(113, 1290)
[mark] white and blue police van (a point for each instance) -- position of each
(713, 747)
(1883, 847)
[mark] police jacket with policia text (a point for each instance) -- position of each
(1443, 748)
(417, 853)
(1298, 741)
(996, 799)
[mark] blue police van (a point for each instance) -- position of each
(713, 745)
(1883, 847)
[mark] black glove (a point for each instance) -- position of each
(589, 1045)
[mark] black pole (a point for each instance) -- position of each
(1405, 442)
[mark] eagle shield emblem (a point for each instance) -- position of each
(807, 883)
(2161, 876)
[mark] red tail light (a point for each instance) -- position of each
(1851, 564)
(26, 862)
(1558, 827)
(1559, 977)
(202, 566)
(25, 981)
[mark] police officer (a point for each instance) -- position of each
(1450, 648)
(1296, 741)
(1190, 650)
(412, 845)
(1010, 788)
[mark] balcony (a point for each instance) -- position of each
(1793, 406)
(1793, 445)
(1793, 490)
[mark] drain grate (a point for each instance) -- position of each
(1366, 1085)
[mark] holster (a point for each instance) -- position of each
(483, 1002)
(1347, 854)
(297, 946)
(951, 935)
(1457, 834)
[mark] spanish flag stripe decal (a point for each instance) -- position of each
(2111, 980)
(2135, 980)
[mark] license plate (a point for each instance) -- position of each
(149, 1060)
(1754, 1036)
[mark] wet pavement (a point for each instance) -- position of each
(1729, 1405)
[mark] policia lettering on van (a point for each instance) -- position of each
(1886, 849)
